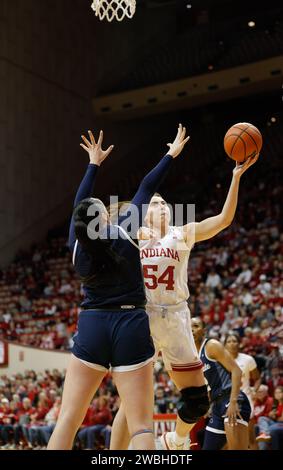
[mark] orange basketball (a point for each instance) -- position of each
(242, 141)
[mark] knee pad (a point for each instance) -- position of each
(193, 404)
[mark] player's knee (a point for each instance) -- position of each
(193, 404)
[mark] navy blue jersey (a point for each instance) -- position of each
(122, 285)
(218, 378)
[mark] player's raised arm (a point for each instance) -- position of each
(209, 227)
(96, 156)
(215, 350)
(155, 177)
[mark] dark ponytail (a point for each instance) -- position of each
(100, 250)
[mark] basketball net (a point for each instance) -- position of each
(110, 9)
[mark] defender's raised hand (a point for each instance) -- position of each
(180, 141)
(96, 154)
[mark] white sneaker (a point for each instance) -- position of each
(168, 443)
(5, 447)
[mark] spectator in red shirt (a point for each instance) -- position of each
(4, 412)
(276, 380)
(263, 402)
(271, 427)
(4, 408)
(99, 424)
(22, 418)
(32, 392)
(8, 417)
(37, 420)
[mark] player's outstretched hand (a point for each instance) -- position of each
(240, 168)
(180, 141)
(94, 149)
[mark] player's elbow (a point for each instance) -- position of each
(226, 221)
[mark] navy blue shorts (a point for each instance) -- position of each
(219, 409)
(117, 339)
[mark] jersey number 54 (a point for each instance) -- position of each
(151, 280)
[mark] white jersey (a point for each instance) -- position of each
(246, 364)
(165, 267)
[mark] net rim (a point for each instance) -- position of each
(114, 9)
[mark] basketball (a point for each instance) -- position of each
(242, 141)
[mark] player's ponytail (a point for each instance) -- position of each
(103, 256)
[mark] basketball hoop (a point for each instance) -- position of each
(110, 9)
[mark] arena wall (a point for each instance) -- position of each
(55, 56)
(21, 358)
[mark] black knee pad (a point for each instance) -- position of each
(193, 404)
